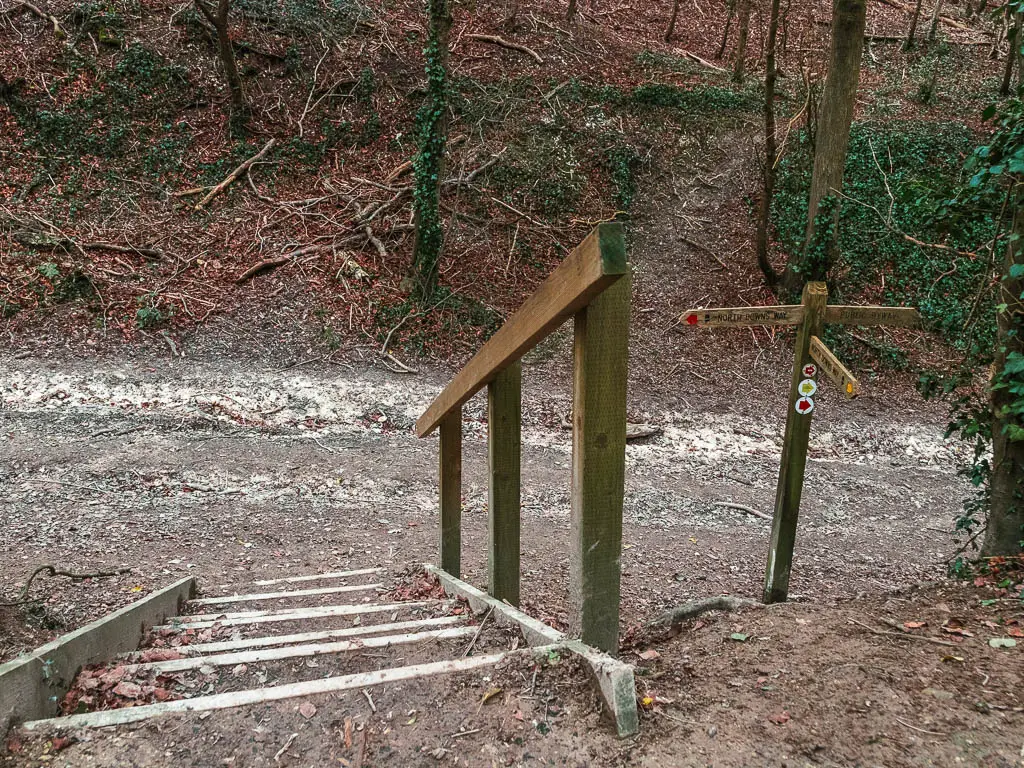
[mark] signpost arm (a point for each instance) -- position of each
(794, 453)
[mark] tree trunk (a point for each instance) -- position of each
(935, 21)
(768, 190)
(672, 21)
(511, 21)
(913, 26)
(429, 164)
(571, 13)
(832, 138)
(743, 15)
(1005, 530)
(728, 26)
(1012, 56)
(219, 20)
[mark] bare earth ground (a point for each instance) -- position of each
(243, 461)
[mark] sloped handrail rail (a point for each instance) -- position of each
(594, 265)
(593, 287)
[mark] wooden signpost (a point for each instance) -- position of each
(811, 356)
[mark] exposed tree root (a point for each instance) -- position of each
(54, 571)
(673, 617)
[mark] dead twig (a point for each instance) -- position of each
(903, 636)
(673, 617)
(230, 178)
(476, 636)
(54, 571)
(495, 40)
(743, 508)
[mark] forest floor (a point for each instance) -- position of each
(255, 452)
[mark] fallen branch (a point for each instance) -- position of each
(152, 253)
(698, 60)
(53, 571)
(267, 265)
(676, 616)
(349, 266)
(743, 508)
(495, 40)
(36, 11)
(901, 635)
(234, 175)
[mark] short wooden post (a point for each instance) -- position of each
(504, 404)
(450, 472)
(794, 451)
(598, 466)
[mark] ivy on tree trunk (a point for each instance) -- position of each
(432, 123)
(1005, 531)
(832, 139)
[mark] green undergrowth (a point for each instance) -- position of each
(900, 173)
(453, 315)
(574, 138)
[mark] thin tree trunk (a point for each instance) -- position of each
(511, 15)
(219, 20)
(728, 26)
(1005, 530)
(1012, 56)
(672, 21)
(768, 190)
(913, 26)
(429, 165)
(743, 16)
(571, 13)
(832, 139)
(935, 20)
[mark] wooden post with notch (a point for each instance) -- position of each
(598, 466)
(504, 406)
(450, 473)
(794, 450)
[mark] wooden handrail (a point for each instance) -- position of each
(594, 265)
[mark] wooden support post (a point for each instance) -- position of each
(504, 404)
(450, 473)
(794, 451)
(598, 466)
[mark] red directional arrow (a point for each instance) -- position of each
(804, 405)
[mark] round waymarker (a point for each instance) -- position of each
(692, 319)
(804, 405)
(807, 387)
(810, 370)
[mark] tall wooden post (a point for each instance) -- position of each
(794, 450)
(504, 405)
(598, 466)
(450, 473)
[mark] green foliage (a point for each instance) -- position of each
(907, 171)
(455, 315)
(113, 119)
(333, 19)
(703, 99)
(149, 314)
(103, 19)
(622, 161)
(543, 172)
